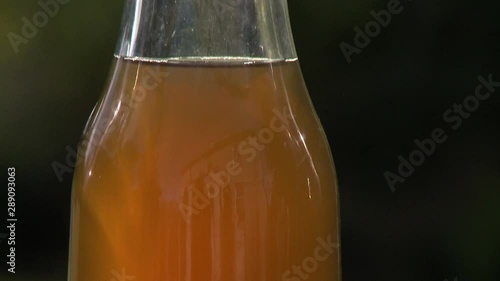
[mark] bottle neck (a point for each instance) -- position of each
(245, 30)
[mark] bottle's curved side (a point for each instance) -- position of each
(205, 173)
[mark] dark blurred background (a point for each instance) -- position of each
(442, 222)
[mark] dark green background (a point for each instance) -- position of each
(442, 223)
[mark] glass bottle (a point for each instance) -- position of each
(204, 159)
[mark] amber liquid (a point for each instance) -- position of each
(204, 172)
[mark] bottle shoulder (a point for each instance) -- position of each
(196, 117)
